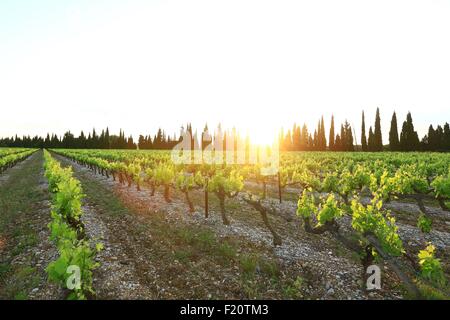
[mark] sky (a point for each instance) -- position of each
(257, 65)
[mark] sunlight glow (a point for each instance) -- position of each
(260, 135)
(140, 65)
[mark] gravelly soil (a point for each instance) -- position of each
(333, 271)
(118, 276)
(140, 261)
(27, 249)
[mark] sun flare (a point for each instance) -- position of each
(262, 135)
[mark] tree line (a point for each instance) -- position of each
(300, 139)
(104, 140)
(297, 139)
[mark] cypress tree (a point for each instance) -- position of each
(310, 145)
(323, 139)
(288, 141)
(337, 143)
(439, 138)
(446, 137)
(141, 142)
(370, 141)
(393, 134)
(107, 139)
(378, 139)
(363, 134)
(409, 140)
(431, 144)
(318, 137)
(304, 138)
(296, 137)
(331, 138)
(348, 137)
(315, 144)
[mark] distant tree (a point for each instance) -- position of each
(429, 142)
(331, 136)
(81, 141)
(371, 141)
(446, 137)
(95, 138)
(141, 142)
(107, 143)
(315, 145)
(204, 142)
(378, 139)
(439, 138)
(347, 137)
(337, 143)
(304, 139)
(321, 137)
(102, 141)
(393, 134)
(47, 142)
(158, 140)
(296, 137)
(363, 134)
(409, 140)
(68, 140)
(310, 143)
(288, 141)
(149, 142)
(130, 143)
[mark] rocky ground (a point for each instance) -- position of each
(25, 249)
(330, 271)
(158, 250)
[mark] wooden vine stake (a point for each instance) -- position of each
(206, 200)
(279, 186)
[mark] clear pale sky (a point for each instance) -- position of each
(256, 64)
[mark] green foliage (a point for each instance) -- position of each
(371, 220)
(72, 251)
(248, 264)
(74, 254)
(134, 171)
(67, 200)
(429, 292)
(424, 223)
(11, 156)
(163, 174)
(326, 211)
(228, 184)
(330, 181)
(306, 204)
(185, 182)
(329, 210)
(61, 231)
(430, 267)
(294, 289)
(441, 186)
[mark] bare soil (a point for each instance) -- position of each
(171, 268)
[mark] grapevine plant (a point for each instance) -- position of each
(225, 185)
(335, 188)
(66, 231)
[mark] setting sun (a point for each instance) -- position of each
(262, 136)
(226, 151)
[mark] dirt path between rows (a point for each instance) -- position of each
(25, 249)
(122, 273)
